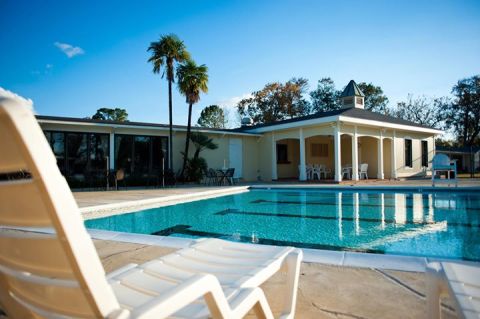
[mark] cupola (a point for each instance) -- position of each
(352, 96)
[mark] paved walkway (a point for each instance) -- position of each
(324, 291)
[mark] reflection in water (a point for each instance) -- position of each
(400, 208)
(418, 207)
(338, 198)
(430, 209)
(382, 209)
(356, 213)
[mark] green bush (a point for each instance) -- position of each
(195, 168)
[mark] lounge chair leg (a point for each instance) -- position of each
(435, 289)
(262, 309)
(292, 263)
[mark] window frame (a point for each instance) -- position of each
(408, 152)
(424, 150)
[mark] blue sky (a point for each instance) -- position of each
(72, 58)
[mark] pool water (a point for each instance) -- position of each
(432, 224)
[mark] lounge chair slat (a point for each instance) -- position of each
(33, 254)
(11, 159)
(60, 300)
(17, 210)
(159, 268)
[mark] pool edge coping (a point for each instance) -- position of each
(318, 256)
(107, 210)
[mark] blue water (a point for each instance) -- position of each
(441, 224)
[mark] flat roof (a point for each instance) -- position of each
(74, 120)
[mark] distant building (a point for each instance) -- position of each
(337, 139)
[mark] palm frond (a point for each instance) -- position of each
(192, 80)
(166, 52)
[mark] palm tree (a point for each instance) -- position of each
(192, 80)
(166, 53)
(201, 142)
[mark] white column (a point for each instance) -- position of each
(380, 157)
(274, 158)
(338, 153)
(355, 155)
(302, 175)
(394, 156)
(112, 151)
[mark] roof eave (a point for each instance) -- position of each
(150, 127)
(355, 120)
(301, 123)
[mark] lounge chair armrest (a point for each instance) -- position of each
(197, 286)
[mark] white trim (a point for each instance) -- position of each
(296, 124)
(389, 125)
(140, 127)
(342, 118)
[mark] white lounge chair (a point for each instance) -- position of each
(60, 275)
(441, 163)
(461, 282)
(363, 171)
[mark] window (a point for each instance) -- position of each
(81, 157)
(319, 150)
(282, 154)
(140, 156)
(348, 101)
(359, 100)
(408, 153)
(424, 153)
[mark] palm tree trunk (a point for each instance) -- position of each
(170, 122)
(187, 141)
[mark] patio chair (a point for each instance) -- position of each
(461, 282)
(120, 177)
(211, 177)
(363, 171)
(346, 171)
(309, 171)
(229, 175)
(316, 171)
(60, 275)
(326, 172)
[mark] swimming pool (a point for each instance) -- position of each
(432, 224)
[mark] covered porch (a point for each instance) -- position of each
(333, 153)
